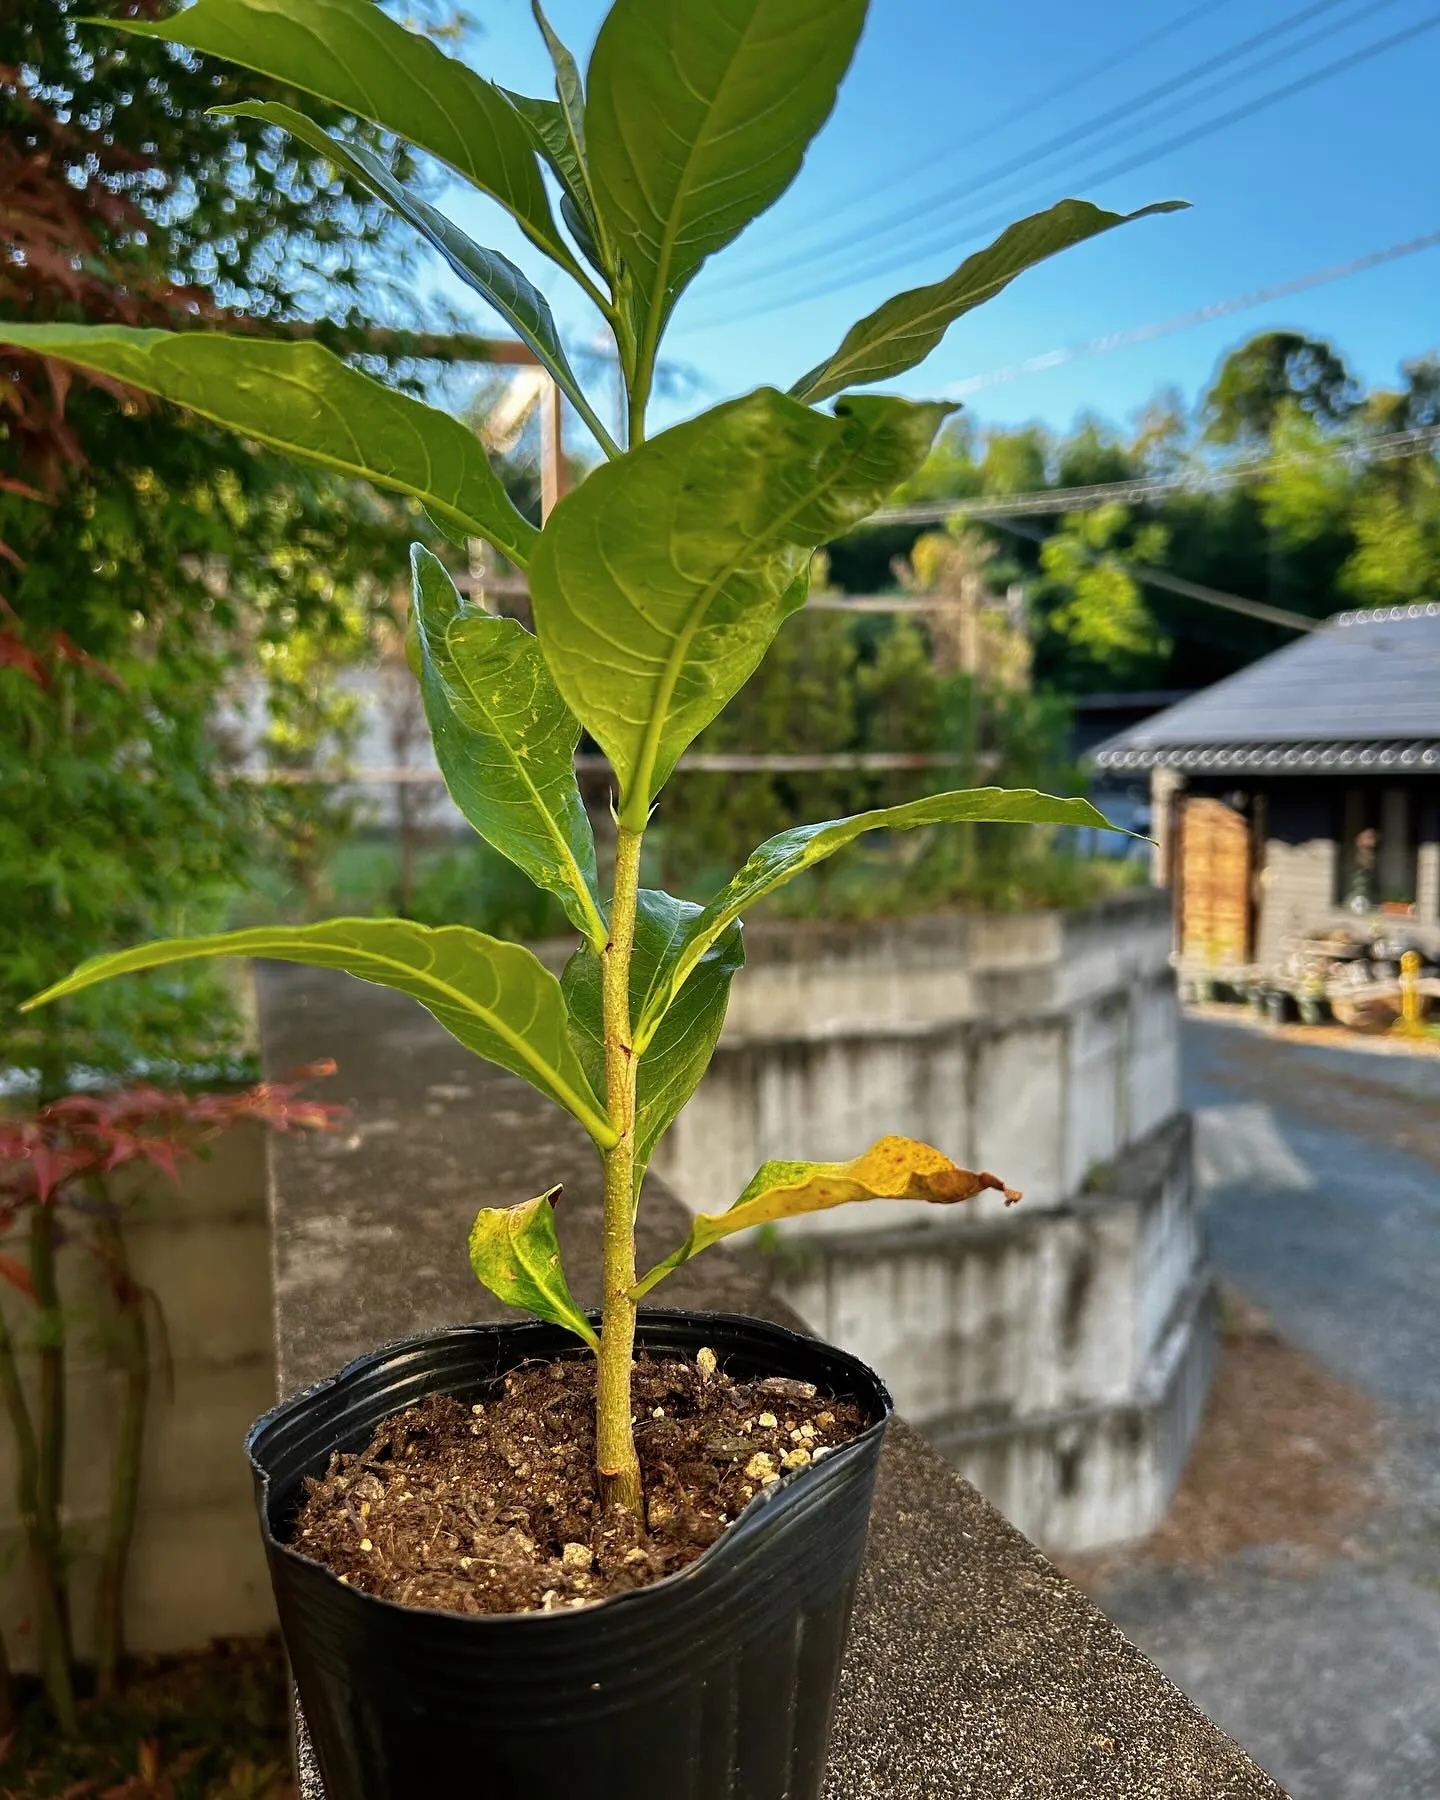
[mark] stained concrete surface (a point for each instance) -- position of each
(1323, 1177)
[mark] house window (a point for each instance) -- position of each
(1378, 864)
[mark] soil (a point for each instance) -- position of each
(492, 1506)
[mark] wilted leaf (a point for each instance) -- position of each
(514, 1252)
(660, 582)
(894, 1168)
(348, 52)
(498, 999)
(781, 858)
(507, 287)
(505, 741)
(674, 1059)
(300, 399)
(698, 116)
(904, 331)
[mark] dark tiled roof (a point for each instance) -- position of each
(1361, 694)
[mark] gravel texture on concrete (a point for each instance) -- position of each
(974, 1668)
(1323, 1171)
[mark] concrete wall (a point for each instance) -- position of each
(197, 1570)
(1037, 1046)
(1058, 1352)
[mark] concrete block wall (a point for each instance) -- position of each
(197, 1570)
(1059, 1351)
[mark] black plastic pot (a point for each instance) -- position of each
(717, 1683)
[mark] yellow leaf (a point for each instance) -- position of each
(894, 1168)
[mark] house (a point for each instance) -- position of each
(1300, 797)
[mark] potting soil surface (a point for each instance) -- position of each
(493, 1507)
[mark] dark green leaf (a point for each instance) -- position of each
(507, 288)
(904, 331)
(659, 583)
(300, 399)
(895, 1168)
(505, 741)
(678, 1054)
(515, 1253)
(498, 999)
(348, 52)
(697, 119)
(782, 858)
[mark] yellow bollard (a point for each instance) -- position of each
(1411, 1022)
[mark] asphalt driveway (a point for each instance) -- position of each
(1322, 1169)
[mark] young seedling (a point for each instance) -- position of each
(657, 585)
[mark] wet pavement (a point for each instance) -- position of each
(1322, 1169)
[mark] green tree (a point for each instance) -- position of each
(1101, 630)
(1270, 371)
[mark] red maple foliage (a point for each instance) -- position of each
(47, 1155)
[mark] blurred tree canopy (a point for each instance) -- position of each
(144, 554)
(1314, 519)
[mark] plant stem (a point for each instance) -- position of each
(50, 1412)
(616, 1461)
(134, 1358)
(42, 1549)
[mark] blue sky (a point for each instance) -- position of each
(1335, 172)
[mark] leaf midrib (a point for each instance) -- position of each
(695, 618)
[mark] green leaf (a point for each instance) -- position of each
(505, 741)
(349, 53)
(659, 583)
(780, 859)
(558, 130)
(515, 1253)
(498, 999)
(904, 331)
(298, 398)
(697, 119)
(894, 1168)
(679, 1052)
(507, 287)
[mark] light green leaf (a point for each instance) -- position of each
(697, 119)
(498, 999)
(894, 1168)
(505, 741)
(545, 121)
(298, 398)
(515, 1253)
(507, 288)
(904, 331)
(659, 583)
(678, 1053)
(558, 130)
(351, 54)
(782, 858)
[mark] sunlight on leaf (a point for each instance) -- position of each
(894, 1168)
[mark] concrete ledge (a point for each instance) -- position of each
(974, 1670)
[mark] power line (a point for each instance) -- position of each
(1021, 110)
(1207, 128)
(925, 208)
(1176, 584)
(1202, 315)
(1390, 447)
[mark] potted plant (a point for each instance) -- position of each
(678, 1642)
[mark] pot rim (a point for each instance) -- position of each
(740, 1526)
